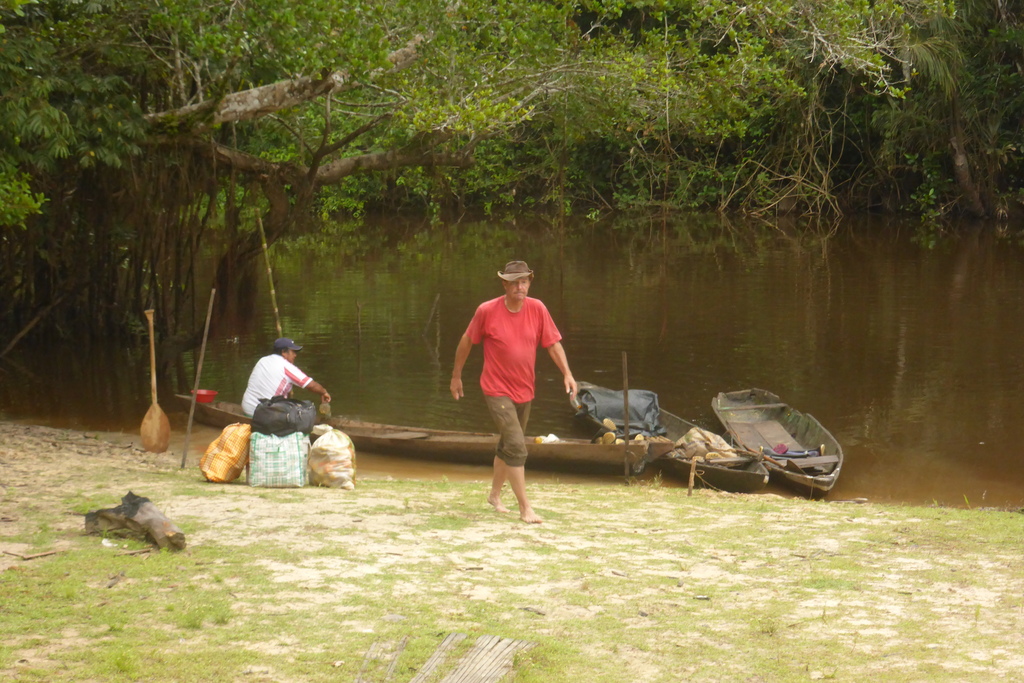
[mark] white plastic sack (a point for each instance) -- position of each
(332, 460)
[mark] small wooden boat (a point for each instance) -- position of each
(798, 451)
(738, 473)
(452, 446)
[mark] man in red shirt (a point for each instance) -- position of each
(511, 328)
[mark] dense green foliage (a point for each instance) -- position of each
(129, 129)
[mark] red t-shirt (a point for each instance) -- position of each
(510, 345)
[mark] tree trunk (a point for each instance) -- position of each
(139, 515)
(962, 168)
(237, 272)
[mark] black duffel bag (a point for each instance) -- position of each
(280, 416)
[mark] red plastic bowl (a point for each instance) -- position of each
(204, 395)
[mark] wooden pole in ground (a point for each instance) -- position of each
(199, 370)
(270, 275)
(625, 413)
(693, 470)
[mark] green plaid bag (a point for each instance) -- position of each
(278, 461)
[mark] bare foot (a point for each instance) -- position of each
(496, 502)
(529, 516)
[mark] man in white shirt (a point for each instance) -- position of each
(276, 374)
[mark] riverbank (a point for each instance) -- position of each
(620, 583)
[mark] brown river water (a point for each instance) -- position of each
(909, 354)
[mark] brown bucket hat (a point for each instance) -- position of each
(515, 270)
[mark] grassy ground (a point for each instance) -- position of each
(620, 583)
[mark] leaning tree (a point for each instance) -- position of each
(134, 130)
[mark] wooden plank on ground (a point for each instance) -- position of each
(394, 659)
(370, 656)
(381, 651)
(488, 661)
(440, 654)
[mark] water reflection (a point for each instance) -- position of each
(909, 356)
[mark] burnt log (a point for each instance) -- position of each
(140, 516)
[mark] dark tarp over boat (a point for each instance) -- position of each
(607, 404)
(736, 473)
(799, 451)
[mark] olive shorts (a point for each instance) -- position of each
(511, 419)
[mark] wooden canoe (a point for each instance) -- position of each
(574, 455)
(744, 473)
(760, 421)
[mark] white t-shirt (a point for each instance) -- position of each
(272, 376)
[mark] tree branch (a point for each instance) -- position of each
(258, 102)
(327, 150)
(253, 103)
(249, 163)
(335, 171)
(382, 161)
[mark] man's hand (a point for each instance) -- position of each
(456, 388)
(571, 388)
(318, 388)
(461, 354)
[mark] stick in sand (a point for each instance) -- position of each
(625, 413)
(693, 471)
(199, 370)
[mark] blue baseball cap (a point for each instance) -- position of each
(285, 343)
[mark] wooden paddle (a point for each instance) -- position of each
(156, 430)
